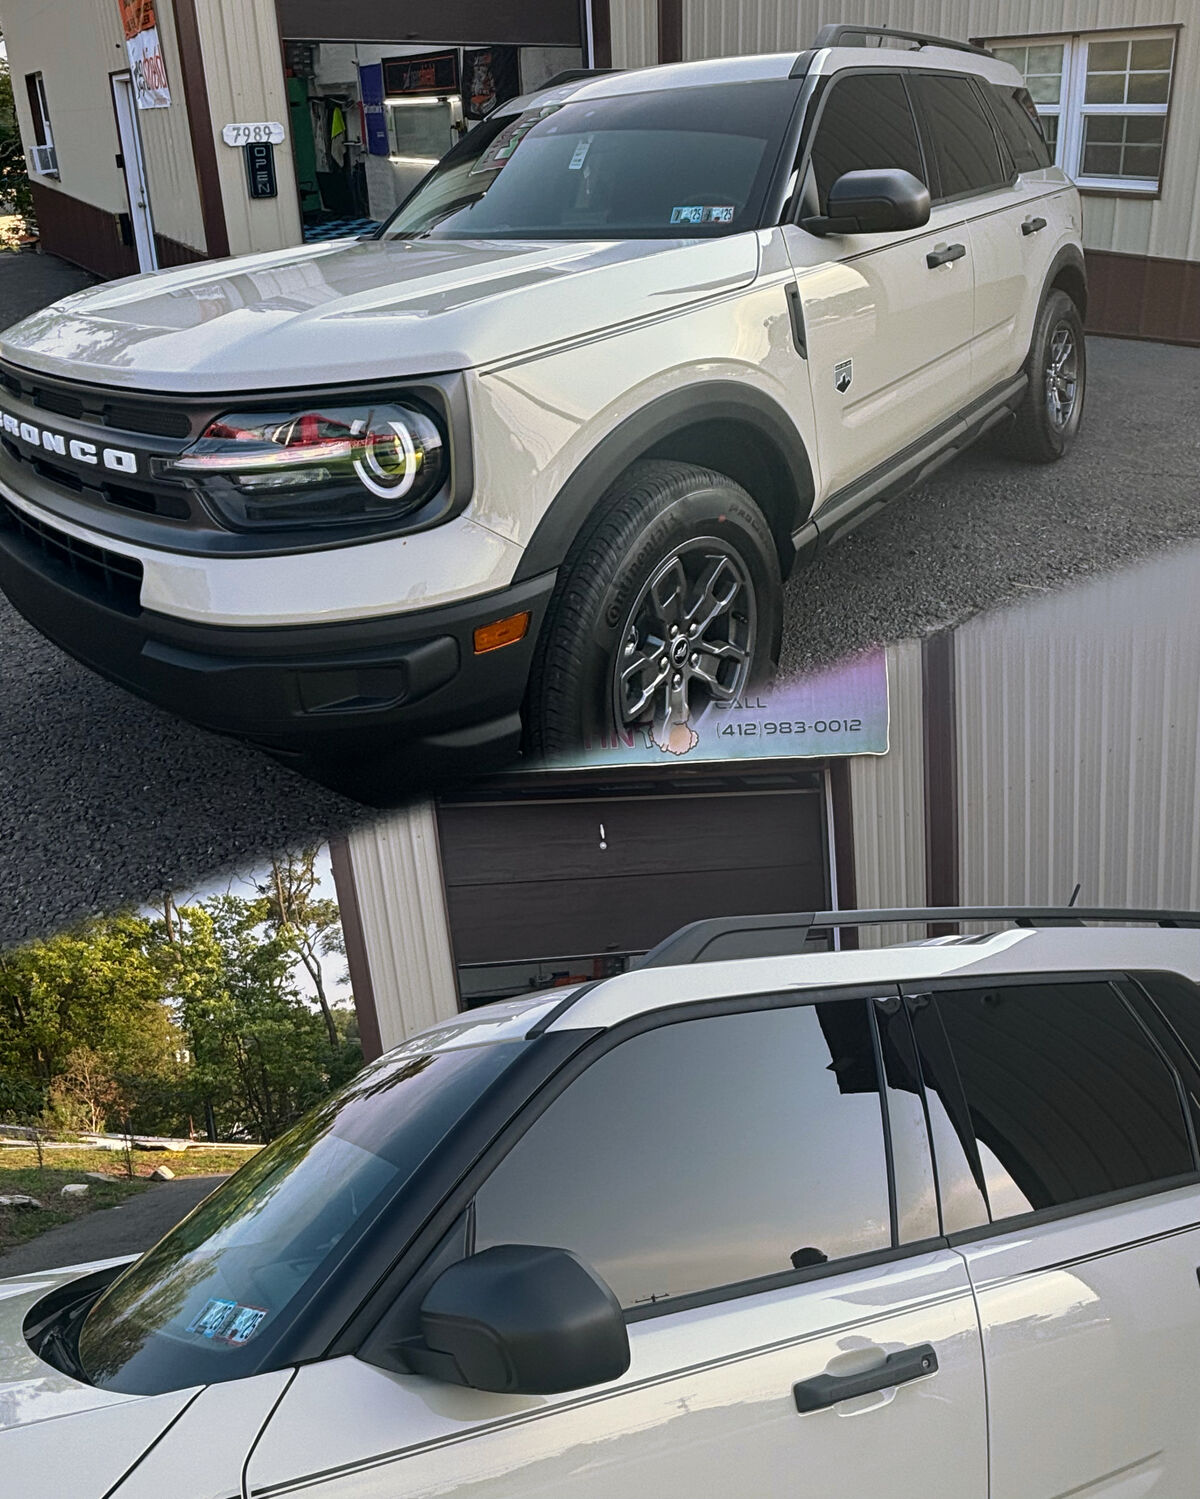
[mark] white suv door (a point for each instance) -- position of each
(1077, 1129)
(888, 318)
(729, 1175)
(1012, 226)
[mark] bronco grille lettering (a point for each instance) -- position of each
(120, 460)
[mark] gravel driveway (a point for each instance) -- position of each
(105, 800)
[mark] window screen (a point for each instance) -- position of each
(1016, 115)
(963, 142)
(706, 1153)
(1067, 1097)
(867, 123)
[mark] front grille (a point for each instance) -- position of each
(153, 416)
(110, 577)
(155, 421)
(57, 400)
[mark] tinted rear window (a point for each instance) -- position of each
(1020, 127)
(1068, 1098)
(963, 141)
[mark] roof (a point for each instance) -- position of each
(1074, 950)
(765, 66)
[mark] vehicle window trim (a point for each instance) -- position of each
(816, 114)
(925, 129)
(406, 1271)
(1118, 982)
(1179, 1055)
(990, 98)
(1018, 1224)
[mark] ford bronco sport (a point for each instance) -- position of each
(757, 1217)
(535, 458)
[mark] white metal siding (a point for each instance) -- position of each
(1168, 227)
(244, 72)
(1079, 744)
(75, 58)
(402, 909)
(887, 798)
(634, 33)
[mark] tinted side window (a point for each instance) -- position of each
(1067, 1096)
(1018, 121)
(705, 1153)
(867, 122)
(1179, 1001)
(963, 141)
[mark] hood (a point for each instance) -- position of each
(365, 309)
(31, 1390)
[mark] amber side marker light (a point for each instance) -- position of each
(501, 632)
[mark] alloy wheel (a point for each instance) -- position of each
(1062, 376)
(688, 641)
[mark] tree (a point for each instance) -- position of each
(292, 908)
(15, 191)
(259, 1055)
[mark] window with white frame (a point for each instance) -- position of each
(1102, 100)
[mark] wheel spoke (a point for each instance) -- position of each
(668, 590)
(717, 592)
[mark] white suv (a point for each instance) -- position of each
(918, 1221)
(538, 455)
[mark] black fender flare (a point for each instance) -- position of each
(1069, 257)
(778, 448)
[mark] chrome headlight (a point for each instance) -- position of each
(339, 465)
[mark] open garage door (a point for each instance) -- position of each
(563, 888)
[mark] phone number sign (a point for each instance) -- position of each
(842, 710)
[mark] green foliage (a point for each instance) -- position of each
(168, 1022)
(14, 174)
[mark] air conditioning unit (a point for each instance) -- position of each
(45, 161)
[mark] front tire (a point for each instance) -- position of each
(1048, 417)
(668, 603)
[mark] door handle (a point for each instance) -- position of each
(824, 1390)
(944, 257)
(1031, 226)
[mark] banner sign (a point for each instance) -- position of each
(842, 710)
(145, 54)
(375, 132)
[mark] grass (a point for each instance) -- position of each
(19, 1173)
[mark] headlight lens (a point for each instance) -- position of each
(341, 465)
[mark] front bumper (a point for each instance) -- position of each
(347, 691)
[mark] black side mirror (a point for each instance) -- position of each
(521, 1320)
(880, 201)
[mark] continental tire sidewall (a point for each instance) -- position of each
(1058, 308)
(665, 506)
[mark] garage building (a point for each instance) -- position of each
(369, 92)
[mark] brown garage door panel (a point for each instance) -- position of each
(553, 919)
(641, 836)
(530, 881)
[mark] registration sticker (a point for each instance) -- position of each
(580, 156)
(227, 1321)
(695, 214)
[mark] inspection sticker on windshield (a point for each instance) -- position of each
(695, 214)
(580, 156)
(227, 1321)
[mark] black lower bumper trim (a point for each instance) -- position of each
(346, 690)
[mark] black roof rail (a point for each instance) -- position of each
(856, 36)
(573, 75)
(723, 937)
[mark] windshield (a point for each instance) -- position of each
(212, 1299)
(693, 162)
